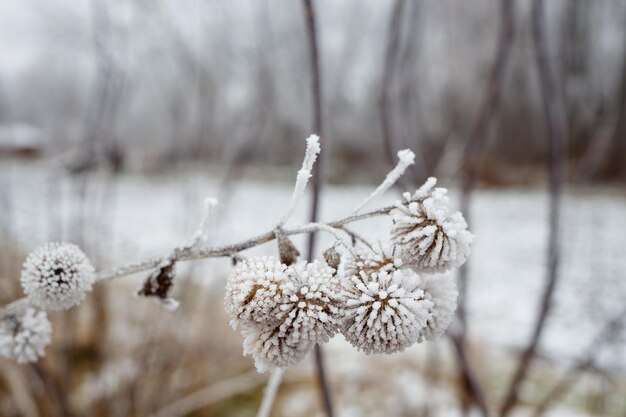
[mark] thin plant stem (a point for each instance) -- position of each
(194, 253)
(556, 133)
(318, 126)
(269, 395)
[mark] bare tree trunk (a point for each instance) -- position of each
(318, 126)
(556, 132)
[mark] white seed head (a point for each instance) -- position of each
(282, 317)
(56, 276)
(384, 310)
(428, 237)
(442, 291)
(253, 292)
(272, 348)
(24, 338)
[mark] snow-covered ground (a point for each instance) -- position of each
(146, 216)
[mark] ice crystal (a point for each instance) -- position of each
(24, 338)
(56, 276)
(428, 237)
(385, 310)
(442, 291)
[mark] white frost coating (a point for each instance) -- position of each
(285, 312)
(428, 237)
(385, 310)
(56, 276)
(24, 339)
(406, 158)
(312, 150)
(253, 292)
(442, 291)
(200, 235)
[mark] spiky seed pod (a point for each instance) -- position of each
(308, 313)
(253, 292)
(442, 291)
(57, 276)
(428, 237)
(272, 349)
(24, 338)
(385, 311)
(311, 305)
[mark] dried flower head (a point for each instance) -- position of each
(442, 291)
(429, 238)
(385, 311)
(24, 338)
(271, 348)
(286, 312)
(56, 276)
(253, 292)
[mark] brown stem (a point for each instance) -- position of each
(470, 382)
(316, 90)
(391, 58)
(585, 362)
(556, 132)
(482, 127)
(471, 159)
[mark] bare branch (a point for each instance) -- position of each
(469, 379)
(193, 253)
(585, 362)
(471, 158)
(391, 57)
(556, 132)
(482, 127)
(318, 126)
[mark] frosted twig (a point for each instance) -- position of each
(200, 235)
(188, 254)
(406, 158)
(312, 150)
(270, 393)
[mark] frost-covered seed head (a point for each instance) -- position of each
(429, 238)
(306, 312)
(25, 338)
(271, 349)
(385, 311)
(253, 292)
(442, 291)
(56, 276)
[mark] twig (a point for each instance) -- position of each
(193, 253)
(318, 126)
(586, 361)
(391, 57)
(555, 121)
(480, 132)
(469, 379)
(471, 158)
(270, 393)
